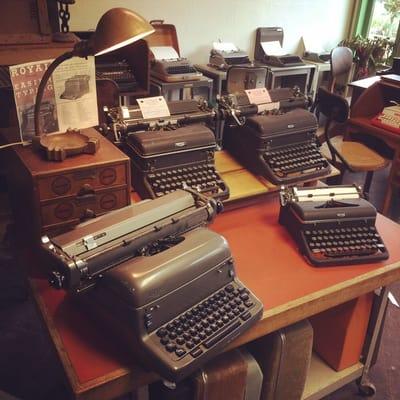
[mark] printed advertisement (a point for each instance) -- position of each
(69, 99)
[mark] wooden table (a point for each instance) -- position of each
(98, 367)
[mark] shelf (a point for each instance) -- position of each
(322, 379)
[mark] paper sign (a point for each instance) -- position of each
(273, 48)
(154, 107)
(125, 112)
(268, 107)
(258, 96)
(69, 99)
(164, 53)
(393, 300)
(228, 47)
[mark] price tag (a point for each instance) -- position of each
(258, 96)
(154, 107)
(125, 112)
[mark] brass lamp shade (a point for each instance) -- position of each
(119, 27)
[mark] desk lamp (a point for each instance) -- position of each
(118, 27)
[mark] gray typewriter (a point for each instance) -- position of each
(159, 279)
(224, 57)
(76, 87)
(174, 70)
(170, 152)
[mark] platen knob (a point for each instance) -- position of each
(56, 280)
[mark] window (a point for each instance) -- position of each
(384, 20)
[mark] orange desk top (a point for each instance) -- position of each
(266, 261)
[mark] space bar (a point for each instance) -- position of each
(210, 342)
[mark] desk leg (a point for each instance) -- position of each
(365, 386)
(393, 180)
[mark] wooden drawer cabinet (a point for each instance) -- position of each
(48, 197)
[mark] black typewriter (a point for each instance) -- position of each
(273, 34)
(332, 225)
(282, 147)
(120, 72)
(275, 138)
(171, 153)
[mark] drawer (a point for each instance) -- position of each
(72, 182)
(73, 210)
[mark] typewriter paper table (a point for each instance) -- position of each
(98, 367)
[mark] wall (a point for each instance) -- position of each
(199, 23)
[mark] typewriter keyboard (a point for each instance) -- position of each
(181, 69)
(203, 178)
(294, 159)
(217, 318)
(346, 242)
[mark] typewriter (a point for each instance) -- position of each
(163, 282)
(332, 225)
(276, 140)
(266, 36)
(170, 153)
(174, 70)
(47, 119)
(224, 55)
(76, 87)
(120, 72)
(321, 57)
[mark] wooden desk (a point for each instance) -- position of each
(360, 86)
(375, 96)
(97, 365)
(289, 76)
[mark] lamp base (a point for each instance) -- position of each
(59, 146)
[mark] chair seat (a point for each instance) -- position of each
(358, 156)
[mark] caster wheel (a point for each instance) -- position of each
(367, 389)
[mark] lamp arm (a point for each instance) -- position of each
(39, 96)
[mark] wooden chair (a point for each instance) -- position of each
(345, 155)
(341, 62)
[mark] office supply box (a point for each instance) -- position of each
(56, 196)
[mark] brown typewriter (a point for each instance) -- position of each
(164, 283)
(332, 225)
(171, 152)
(167, 63)
(276, 138)
(76, 87)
